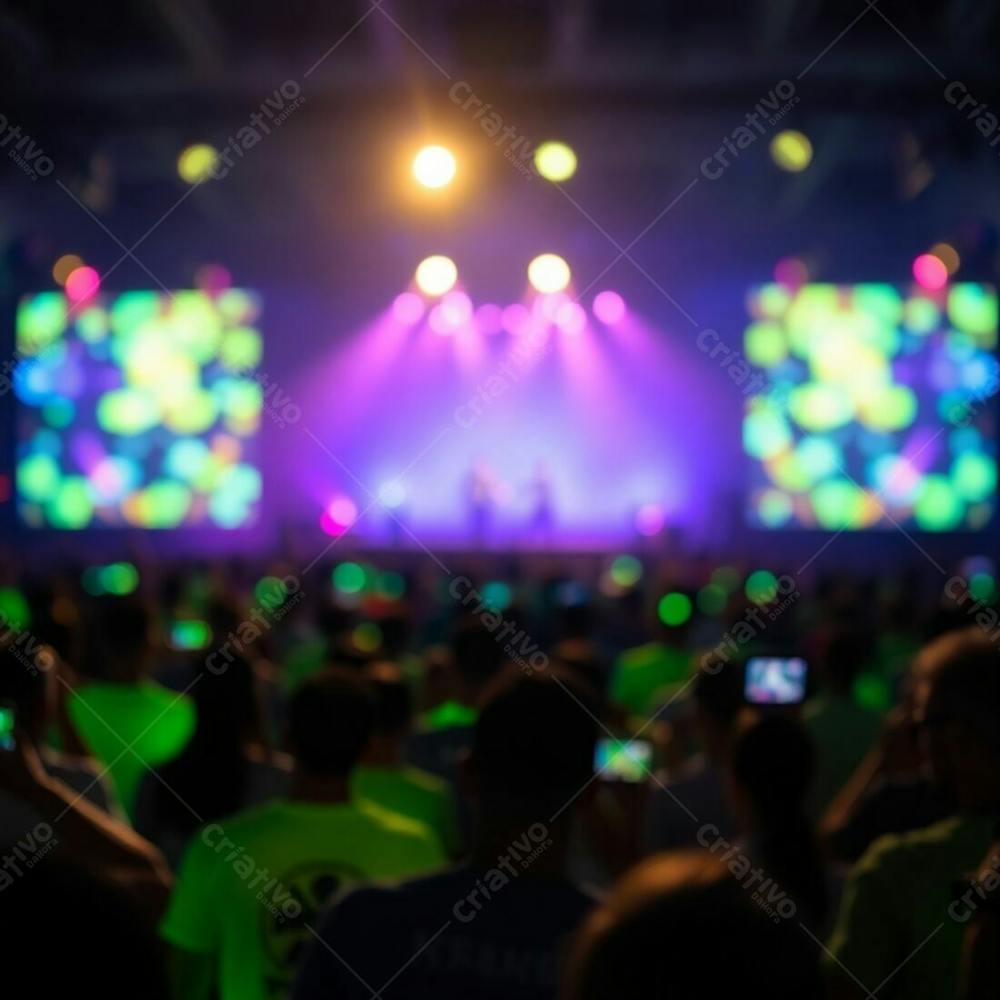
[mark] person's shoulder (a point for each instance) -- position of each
(914, 849)
(415, 893)
(425, 781)
(254, 819)
(71, 769)
(171, 700)
(391, 824)
(636, 655)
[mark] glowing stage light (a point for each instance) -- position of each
(489, 318)
(119, 578)
(625, 571)
(609, 307)
(791, 272)
(761, 587)
(712, 599)
(14, 608)
(555, 161)
(392, 494)
(948, 256)
(212, 278)
(65, 266)
(515, 318)
(548, 273)
(434, 166)
(650, 519)
(196, 163)
(547, 306)
(447, 317)
(408, 308)
(349, 577)
(791, 150)
(339, 515)
(571, 318)
(982, 586)
(457, 309)
(82, 283)
(496, 595)
(930, 272)
(674, 609)
(436, 275)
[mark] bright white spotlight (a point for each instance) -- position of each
(392, 494)
(434, 166)
(548, 273)
(435, 275)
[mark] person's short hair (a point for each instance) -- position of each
(85, 915)
(118, 632)
(477, 654)
(393, 698)
(23, 685)
(533, 743)
(330, 720)
(719, 692)
(842, 657)
(774, 761)
(964, 672)
(681, 926)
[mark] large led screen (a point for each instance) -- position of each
(139, 409)
(876, 406)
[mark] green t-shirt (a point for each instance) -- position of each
(153, 721)
(251, 887)
(448, 715)
(645, 677)
(894, 926)
(413, 793)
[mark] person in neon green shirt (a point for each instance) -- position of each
(127, 721)
(645, 677)
(384, 777)
(251, 887)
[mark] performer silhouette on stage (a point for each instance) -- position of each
(482, 485)
(542, 517)
(486, 491)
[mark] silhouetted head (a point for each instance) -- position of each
(478, 655)
(533, 745)
(393, 699)
(842, 657)
(958, 713)
(717, 694)
(120, 633)
(773, 763)
(330, 720)
(680, 926)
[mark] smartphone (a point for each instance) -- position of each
(775, 680)
(620, 761)
(188, 634)
(8, 723)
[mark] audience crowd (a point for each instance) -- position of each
(227, 782)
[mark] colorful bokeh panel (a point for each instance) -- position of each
(877, 409)
(138, 410)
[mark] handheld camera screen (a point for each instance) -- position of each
(775, 680)
(617, 761)
(7, 723)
